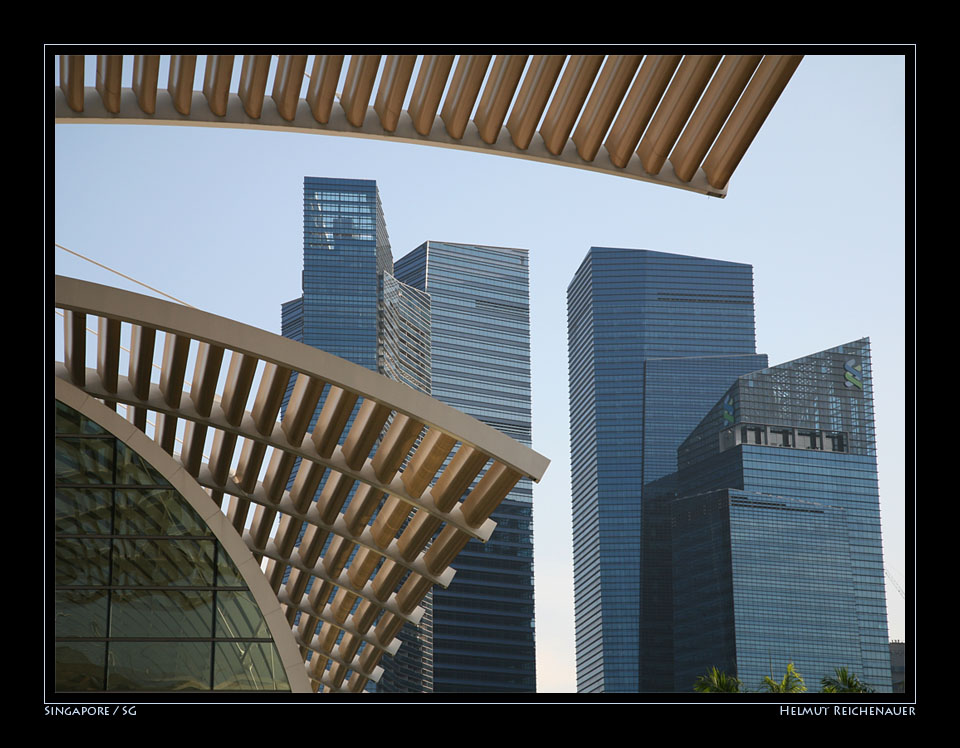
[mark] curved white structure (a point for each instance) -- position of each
(372, 558)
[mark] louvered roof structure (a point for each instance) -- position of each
(627, 115)
(372, 558)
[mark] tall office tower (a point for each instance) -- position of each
(483, 625)
(777, 548)
(654, 340)
(353, 307)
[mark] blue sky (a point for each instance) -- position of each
(213, 216)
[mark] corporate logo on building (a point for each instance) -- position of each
(853, 375)
(728, 409)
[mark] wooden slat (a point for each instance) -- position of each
(364, 432)
(75, 346)
(146, 75)
(604, 101)
(417, 534)
(237, 386)
(358, 86)
(287, 83)
(428, 90)
(221, 454)
(305, 484)
(433, 450)
(216, 82)
(645, 94)
(412, 592)
(278, 472)
(497, 95)
(489, 492)
(248, 467)
(173, 367)
(180, 81)
(336, 489)
(142, 342)
(712, 111)
(253, 83)
(444, 549)
(751, 112)
(533, 97)
(678, 102)
(323, 85)
(108, 355)
(463, 92)
(457, 477)
(273, 386)
(394, 81)
(389, 520)
(333, 417)
(361, 509)
(109, 70)
(191, 454)
(300, 408)
(568, 100)
(395, 447)
(206, 372)
(71, 80)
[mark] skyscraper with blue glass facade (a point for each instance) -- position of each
(654, 340)
(777, 553)
(353, 307)
(483, 625)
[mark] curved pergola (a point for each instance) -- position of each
(618, 114)
(372, 558)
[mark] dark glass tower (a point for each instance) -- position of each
(777, 547)
(480, 338)
(654, 340)
(353, 307)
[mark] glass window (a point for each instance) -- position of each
(158, 666)
(246, 666)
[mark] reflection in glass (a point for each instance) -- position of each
(163, 562)
(158, 666)
(79, 666)
(84, 460)
(161, 613)
(133, 469)
(82, 511)
(81, 613)
(239, 616)
(245, 666)
(82, 561)
(158, 511)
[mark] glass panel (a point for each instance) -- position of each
(79, 666)
(156, 512)
(82, 562)
(158, 666)
(132, 468)
(161, 613)
(228, 575)
(69, 421)
(84, 460)
(81, 613)
(241, 666)
(239, 616)
(82, 511)
(163, 562)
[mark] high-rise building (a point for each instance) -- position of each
(777, 553)
(353, 307)
(483, 625)
(654, 340)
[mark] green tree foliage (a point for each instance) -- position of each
(792, 682)
(717, 681)
(843, 682)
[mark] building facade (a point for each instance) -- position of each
(353, 307)
(777, 553)
(483, 626)
(654, 340)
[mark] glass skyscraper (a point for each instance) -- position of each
(777, 553)
(654, 340)
(483, 625)
(353, 307)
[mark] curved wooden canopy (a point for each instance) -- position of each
(619, 114)
(372, 555)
